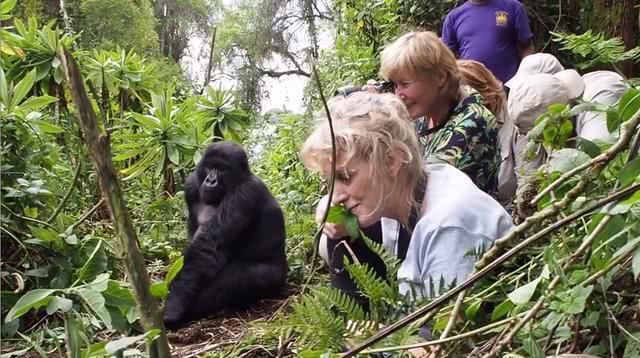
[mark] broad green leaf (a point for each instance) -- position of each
(629, 104)
(4, 91)
(74, 334)
(129, 154)
(114, 346)
(557, 108)
(632, 349)
(148, 122)
(472, 310)
(613, 121)
(630, 172)
(47, 127)
(175, 268)
(6, 6)
(532, 347)
(173, 153)
(159, 289)
(338, 214)
(59, 303)
(627, 248)
(572, 301)
(502, 310)
(95, 301)
(47, 236)
(22, 88)
(118, 296)
(523, 294)
(100, 283)
(635, 264)
(36, 103)
(567, 159)
(31, 299)
(95, 350)
(95, 264)
(588, 147)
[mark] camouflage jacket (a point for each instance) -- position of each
(468, 141)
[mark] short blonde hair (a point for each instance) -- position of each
(476, 75)
(417, 53)
(369, 127)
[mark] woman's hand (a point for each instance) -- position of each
(332, 231)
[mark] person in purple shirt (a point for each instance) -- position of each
(493, 32)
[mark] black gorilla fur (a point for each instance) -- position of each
(237, 250)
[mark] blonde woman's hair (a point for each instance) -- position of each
(421, 53)
(476, 75)
(370, 127)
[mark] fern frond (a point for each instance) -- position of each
(596, 49)
(344, 303)
(317, 324)
(379, 291)
(390, 260)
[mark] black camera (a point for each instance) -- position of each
(382, 87)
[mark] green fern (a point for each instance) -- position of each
(595, 49)
(317, 324)
(390, 260)
(341, 301)
(379, 291)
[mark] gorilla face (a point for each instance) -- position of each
(223, 166)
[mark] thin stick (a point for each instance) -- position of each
(316, 239)
(445, 340)
(480, 274)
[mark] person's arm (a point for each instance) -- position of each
(526, 48)
(524, 36)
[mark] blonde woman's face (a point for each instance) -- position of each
(419, 93)
(353, 189)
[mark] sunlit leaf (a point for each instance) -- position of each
(522, 295)
(58, 304)
(22, 88)
(34, 298)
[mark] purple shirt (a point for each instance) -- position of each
(488, 33)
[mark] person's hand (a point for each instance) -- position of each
(371, 86)
(332, 231)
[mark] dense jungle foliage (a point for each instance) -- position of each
(569, 275)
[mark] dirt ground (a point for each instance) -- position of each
(224, 330)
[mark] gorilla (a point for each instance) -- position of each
(236, 253)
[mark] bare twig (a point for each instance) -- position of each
(316, 239)
(475, 332)
(26, 218)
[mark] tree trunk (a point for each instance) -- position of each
(99, 145)
(207, 75)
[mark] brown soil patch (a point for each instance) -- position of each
(225, 329)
